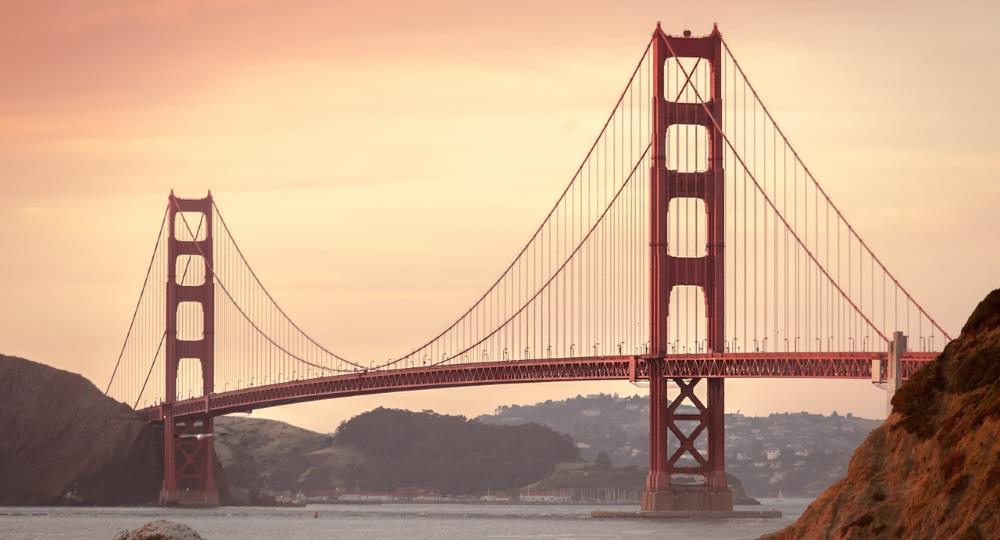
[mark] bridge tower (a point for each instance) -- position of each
(668, 271)
(188, 452)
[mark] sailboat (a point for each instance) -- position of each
(781, 498)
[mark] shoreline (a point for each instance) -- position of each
(370, 503)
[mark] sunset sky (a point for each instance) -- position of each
(380, 162)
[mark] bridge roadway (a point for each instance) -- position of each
(826, 365)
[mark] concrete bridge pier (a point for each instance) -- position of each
(894, 369)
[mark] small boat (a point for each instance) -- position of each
(781, 498)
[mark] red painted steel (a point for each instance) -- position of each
(659, 303)
(667, 272)
(856, 365)
(189, 460)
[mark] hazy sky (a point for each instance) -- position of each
(380, 162)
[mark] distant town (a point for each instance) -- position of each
(798, 453)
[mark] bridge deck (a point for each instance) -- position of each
(832, 365)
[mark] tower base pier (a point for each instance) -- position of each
(189, 462)
(687, 499)
(191, 498)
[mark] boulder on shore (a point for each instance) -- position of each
(160, 529)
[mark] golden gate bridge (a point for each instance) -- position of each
(691, 244)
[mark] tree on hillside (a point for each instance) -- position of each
(450, 454)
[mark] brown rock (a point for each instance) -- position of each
(933, 469)
(160, 530)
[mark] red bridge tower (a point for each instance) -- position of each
(188, 452)
(668, 271)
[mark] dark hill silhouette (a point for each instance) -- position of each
(63, 442)
(450, 454)
(384, 450)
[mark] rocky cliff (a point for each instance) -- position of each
(63, 442)
(933, 469)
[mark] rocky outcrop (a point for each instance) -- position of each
(933, 469)
(160, 530)
(63, 442)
